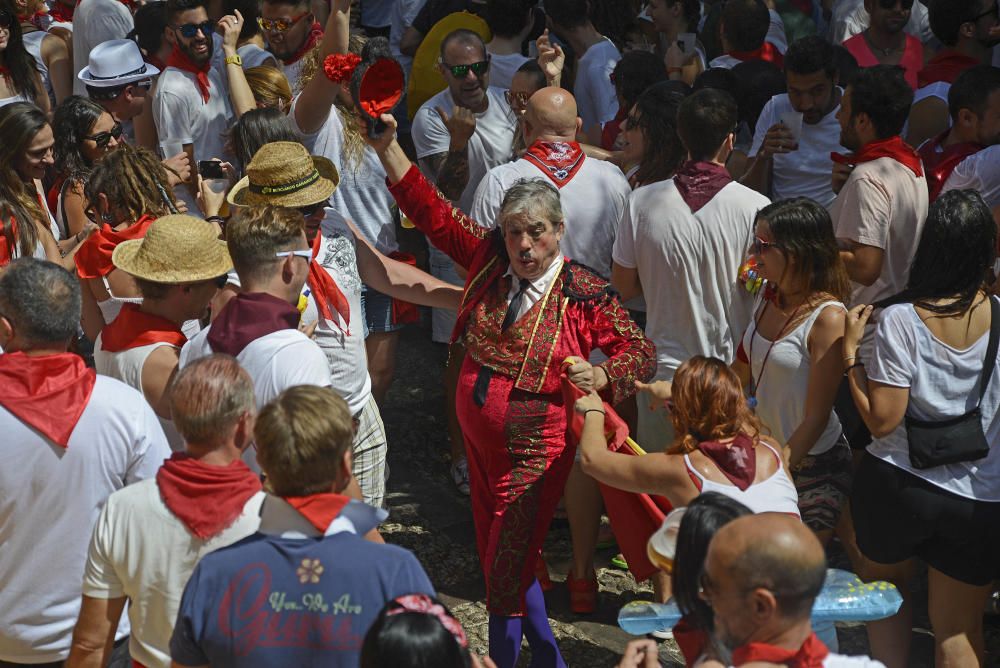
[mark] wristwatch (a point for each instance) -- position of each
(234, 60)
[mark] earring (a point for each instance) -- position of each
(106, 217)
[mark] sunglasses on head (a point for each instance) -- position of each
(461, 71)
(278, 25)
(891, 4)
(190, 30)
(102, 139)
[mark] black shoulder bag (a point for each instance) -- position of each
(957, 439)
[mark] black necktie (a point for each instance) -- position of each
(482, 385)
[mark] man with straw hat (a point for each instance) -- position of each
(283, 174)
(179, 266)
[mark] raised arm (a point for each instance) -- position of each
(316, 100)
(239, 90)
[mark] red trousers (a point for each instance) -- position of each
(519, 460)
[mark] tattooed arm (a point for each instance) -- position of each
(450, 170)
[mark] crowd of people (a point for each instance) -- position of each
(775, 260)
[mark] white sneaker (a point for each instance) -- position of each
(460, 475)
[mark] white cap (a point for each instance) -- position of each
(115, 63)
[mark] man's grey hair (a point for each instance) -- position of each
(41, 300)
(532, 196)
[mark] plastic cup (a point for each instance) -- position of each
(793, 121)
(687, 42)
(169, 149)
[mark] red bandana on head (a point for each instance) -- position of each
(736, 460)
(893, 147)
(133, 328)
(206, 498)
(945, 66)
(315, 35)
(699, 182)
(810, 655)
(181, 61)
(326, 292)
(767, 52)
(319, 509)
(941, 163)
(558, 160)
(93, 260)
(47, 392)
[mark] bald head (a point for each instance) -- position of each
(775, 552)
(551, 115)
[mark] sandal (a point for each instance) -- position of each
(582, 594)
(542, 574)
(618, 561)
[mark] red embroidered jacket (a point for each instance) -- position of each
(579, 312)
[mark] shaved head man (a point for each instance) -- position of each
(761, 576)
(552, 116)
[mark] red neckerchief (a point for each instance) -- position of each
(62, 12)
(38, 19)
(767, 52)
(47, 392)
(810, 655)
(611, 129)
(134, 328)
(315, 35)
(52, 197)
(246, 318)
(180, 60)
(8, 242)
(941, 163)
(206, 498)
(320, 509)
(690, 640)
(558, 160)
(736, 460)
(945, 66)
(93, 260)
(326, 292)
(894, 147)
(699, 182)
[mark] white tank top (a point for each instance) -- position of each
(33, 44)
(775, 495)
(112, 306)
(783, 381)
(126, 366)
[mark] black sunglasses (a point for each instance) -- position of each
(189, 30)
(906, 5)
(102, 139)
(220, 281)
(461, 71)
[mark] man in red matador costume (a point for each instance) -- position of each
(526, 309)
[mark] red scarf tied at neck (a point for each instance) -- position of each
(558, 160)
(181, 61)
(133, 329)
(767, 52)
(206, 498)
(893, 147)
(327, 294)
(940, 163)
(315, 35)
(810, 655)
(319, 509)
(699, 182)
(93, 260)
(737, 460)
(61, 12)
(47, 392)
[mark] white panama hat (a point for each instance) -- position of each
(116, 62)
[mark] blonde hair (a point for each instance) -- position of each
(257, 233)
(270, 87)
(301, 439)
(208, 397)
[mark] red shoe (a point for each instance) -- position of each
(582, 594)
(542, 574)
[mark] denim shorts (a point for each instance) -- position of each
(378, 312)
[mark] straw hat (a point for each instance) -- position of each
(283, 173)
(176, 249)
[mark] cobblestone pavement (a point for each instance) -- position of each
(429, 517)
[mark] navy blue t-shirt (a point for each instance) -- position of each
(273, 601)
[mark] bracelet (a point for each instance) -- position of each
(593, 410)
(855, 365)
(216, 219)
(852, 357)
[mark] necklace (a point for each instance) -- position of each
(754, 384)
(884, 52)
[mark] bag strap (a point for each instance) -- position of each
(991, 349)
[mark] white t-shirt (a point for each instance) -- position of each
(882, 204)
(596, 100)
(254, 56)
(291, 72)
(141, 550)
(688, 264)
(981, 172)
(806, 171)
(376, 13)
(50, 498)
(362, 195)
(404, 13)
(94, 22)
(503, 67)
(593, 202)
(490, 146)
(182, 117)
(943, 383)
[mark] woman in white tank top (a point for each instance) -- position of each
(715, 447)
(790, 356)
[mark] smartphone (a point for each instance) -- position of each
(211, 169)
(687, 41)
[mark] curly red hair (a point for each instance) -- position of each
(708, 405)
